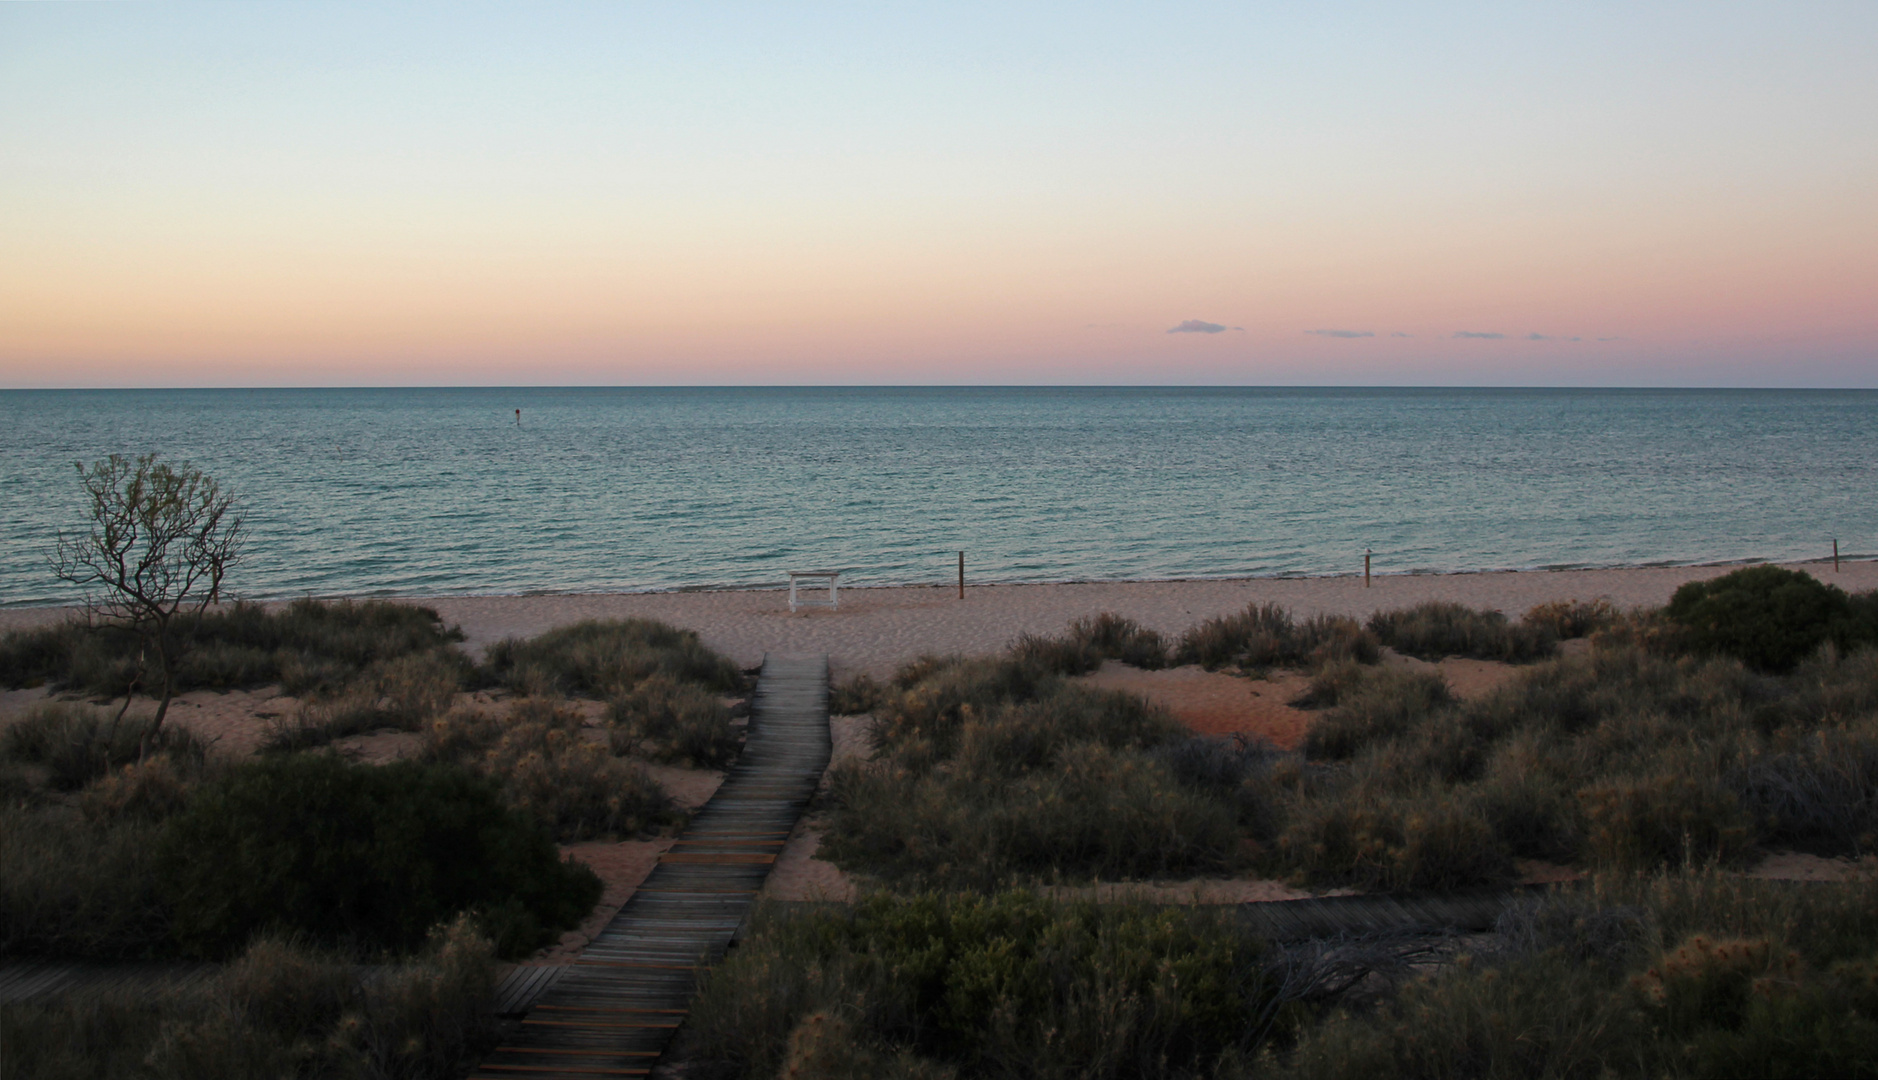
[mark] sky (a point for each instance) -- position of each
(696, 194)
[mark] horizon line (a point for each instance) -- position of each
(939, 386)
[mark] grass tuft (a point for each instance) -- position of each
(603, 658)
(1438, 629)
(1265, 635)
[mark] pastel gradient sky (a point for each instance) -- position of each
(1482, 194)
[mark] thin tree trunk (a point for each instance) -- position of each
(163, 706)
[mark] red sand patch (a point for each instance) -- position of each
(1466, 679)
(1798, 866)
(799, 874)
(1214, 703)
(622, 866)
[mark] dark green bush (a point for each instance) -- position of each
(39, 655)
(673, 721)
(369, 857)
(856, 695)
(1265, 635)
(1661, 819)
(1009, 985)
(80, 743)
(603, 658)
(1567, 619)
(1690, 973)
(1767, 617)
(72, 887)
(278, 1010)
(990, 768)
(1821, 796)
(309, 646)
(1374, 839)
(550, 770)
(1090, 641)
(1237, 771)
(1437, 629)
(1091, 812)
(1116, 638)
(1385, 703)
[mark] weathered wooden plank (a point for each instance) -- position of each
(631, 987)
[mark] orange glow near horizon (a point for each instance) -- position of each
(332, 216)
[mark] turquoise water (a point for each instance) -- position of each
(433, 492)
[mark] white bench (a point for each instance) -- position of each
(813, 577)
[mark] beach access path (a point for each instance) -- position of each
(613, 1011)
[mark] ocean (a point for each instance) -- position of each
(432, 492)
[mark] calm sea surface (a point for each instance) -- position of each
(434, 492)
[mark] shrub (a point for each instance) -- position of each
(1058, 656)
(548, 769)
(675, 721)
(76, 888)
(403, 693)
(1116, 638)
(936, 695)
(151, 789)
(1685, 973)
(859, 694)
(989, 768)
(1821, 797)
(1567, 619)
(1238, 772)
(1092, 812)
(1437, 629)
(1330, 683)
(603, 658)
(1542, 1016)
(1385, 703)
(575, 788)
(38, 655)
(1764, 616)
(80, 743)
(279, 1009)
(370, 856)
(1663, 819)
(1365, 837)
(1009, 985)
(1264, 635)
(1088, 642)
(1532, 808)
(309, 646)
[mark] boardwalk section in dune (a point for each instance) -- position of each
(612, 1012)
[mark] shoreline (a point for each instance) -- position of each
(8, 607)
(878, 628)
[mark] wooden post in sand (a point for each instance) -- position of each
(961, 575)
(1835, 554)
(1366, 568)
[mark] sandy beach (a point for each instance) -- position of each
(877, 629)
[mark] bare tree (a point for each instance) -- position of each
(160, 540)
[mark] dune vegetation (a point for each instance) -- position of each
(1684, 971)
(1654, 753)
(1657, 756)
(299, 864)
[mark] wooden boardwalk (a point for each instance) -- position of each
(1333, 916)
(612, 1012)
(26, 980)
